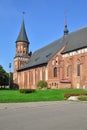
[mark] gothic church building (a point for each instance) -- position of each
(62, 63)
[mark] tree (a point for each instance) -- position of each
(4, 77)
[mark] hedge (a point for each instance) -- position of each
(67, 95)
(27, 90)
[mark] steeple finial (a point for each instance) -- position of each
(66, 31)
(23, 14)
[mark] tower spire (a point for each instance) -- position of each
(22, 37)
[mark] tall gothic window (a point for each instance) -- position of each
(78, 67)
(69, 70)
(55, 72)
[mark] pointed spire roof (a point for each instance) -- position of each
(22, 37)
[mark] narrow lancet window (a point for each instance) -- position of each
(55, 72)
(78, 67)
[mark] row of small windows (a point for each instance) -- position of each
(75, 52)
(22, 51)
(53, 84)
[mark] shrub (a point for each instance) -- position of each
(83, 98)
(42, 84)
(67, 95)
(27, 90)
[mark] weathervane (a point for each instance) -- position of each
(65, 17)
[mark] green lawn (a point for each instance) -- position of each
(39, 95)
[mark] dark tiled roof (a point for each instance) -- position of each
(76, 40)
(72, 41)
(43, 55)
(22, 37)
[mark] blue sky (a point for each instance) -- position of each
(44, 22)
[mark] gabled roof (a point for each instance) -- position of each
(72, 42)
(22, 37)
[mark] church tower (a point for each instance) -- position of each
(22, 55)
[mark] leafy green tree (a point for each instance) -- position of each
(4, 77)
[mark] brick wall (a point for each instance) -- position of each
(66, 76)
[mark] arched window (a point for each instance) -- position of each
(78, 67)
(55, 72)
(69, 70)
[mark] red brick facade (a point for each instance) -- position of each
(62, 71)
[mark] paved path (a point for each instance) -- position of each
(44, 116)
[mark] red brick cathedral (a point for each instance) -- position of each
(62, 63)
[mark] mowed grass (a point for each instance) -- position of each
(38, 95)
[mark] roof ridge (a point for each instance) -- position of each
(78, 30)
